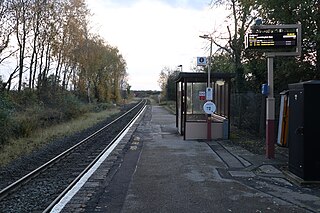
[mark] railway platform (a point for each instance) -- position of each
(154, 170)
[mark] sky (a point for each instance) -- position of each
(154, 34)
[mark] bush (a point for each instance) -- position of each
(24, 125)
(101, 107)
(5, 118)
(24, 112)
(71, 107)
(61, 105)
(4, 123)
(23, 100)
(49, 116)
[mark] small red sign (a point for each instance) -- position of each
(202, 95)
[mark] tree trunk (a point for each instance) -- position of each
(35, 69)
(33, 61)
(40, 76)
(88, 92)
(47, 63)
(22, 42)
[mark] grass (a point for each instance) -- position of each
(41, 137)
(253, 143)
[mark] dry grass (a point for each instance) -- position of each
(253, 143)
(23, 146)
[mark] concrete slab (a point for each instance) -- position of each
(269, 169)
(241, 174)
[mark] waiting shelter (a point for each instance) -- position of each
(191, 120)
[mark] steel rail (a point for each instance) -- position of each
(74, 182)
(5, 191)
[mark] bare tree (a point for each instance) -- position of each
(22, 17)
(242, 15)
(6, 28)
(36, 20)
(54, 44)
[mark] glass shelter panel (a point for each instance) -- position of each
(195, 101)
(221, 97)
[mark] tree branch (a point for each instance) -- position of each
(8, 56)
(221, 47)
(230, 38)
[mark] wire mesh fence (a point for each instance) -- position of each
(248, 112)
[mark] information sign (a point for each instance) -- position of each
(271, 40)
(209, 107)
(209, 94)
(201, 61)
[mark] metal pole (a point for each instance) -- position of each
(209, 72)
(209, 62)
(270, 113)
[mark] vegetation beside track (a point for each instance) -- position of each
(29, 121)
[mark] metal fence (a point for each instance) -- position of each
(248, 112)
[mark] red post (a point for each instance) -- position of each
(209, 128)
(270, 140)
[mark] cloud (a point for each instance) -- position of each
(188, 4)
(191, 4)
(153, 34)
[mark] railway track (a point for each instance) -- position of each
(43, 187)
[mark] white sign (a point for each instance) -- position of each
(201, 61)
(209, 107)
(209, 94)
(202, 95)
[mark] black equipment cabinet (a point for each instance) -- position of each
(304, 130)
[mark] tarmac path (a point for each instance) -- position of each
(160, 172)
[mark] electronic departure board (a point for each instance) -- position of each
(271, 40)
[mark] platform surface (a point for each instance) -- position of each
(160, 172)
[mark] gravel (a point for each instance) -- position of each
(37, 194)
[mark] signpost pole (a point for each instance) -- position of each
(209, 86)
(270, 112)
(209, 89)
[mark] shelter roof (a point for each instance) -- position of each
(203, 77)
